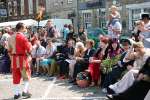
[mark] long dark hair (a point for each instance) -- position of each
(110, 45)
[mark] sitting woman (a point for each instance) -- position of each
(114, 51)
(119, 68)
(140, 87)
(83, 62)
(46, 61)
(79, 52)
(94, 66)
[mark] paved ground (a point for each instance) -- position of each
(43, 88)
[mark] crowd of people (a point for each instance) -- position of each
(120, 67)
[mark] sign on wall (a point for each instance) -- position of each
(3, 12)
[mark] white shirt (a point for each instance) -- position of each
(38, 52)
(146, 34)
(50, 50)
(116, 26)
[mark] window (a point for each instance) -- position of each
(136, 13)
(146, 10)
(87, 20)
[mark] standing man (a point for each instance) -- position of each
(51, 30)
(19, 49)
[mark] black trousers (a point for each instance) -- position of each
(137, 91)
(64, 67)
(113, 76)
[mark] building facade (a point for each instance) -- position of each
(135, 11)
(62, 9)
(92, 13)
(130, 11)
(20, 9)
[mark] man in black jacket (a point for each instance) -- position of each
(66, 53)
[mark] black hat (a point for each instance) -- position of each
(145, 15)
(125, 42)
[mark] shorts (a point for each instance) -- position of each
(45, 62)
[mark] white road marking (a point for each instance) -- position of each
(71, 98)
(49, 88)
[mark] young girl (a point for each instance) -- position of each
(114, 12)
(114, 17)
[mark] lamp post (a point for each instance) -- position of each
(39, 15)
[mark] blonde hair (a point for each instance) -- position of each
(113, 7)
(79, 44)
(79, 50)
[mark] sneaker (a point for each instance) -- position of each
(26, 95)
(17, 96)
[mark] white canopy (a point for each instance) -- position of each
(28, 22)
(58, 23)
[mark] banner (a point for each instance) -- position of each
(3, 12)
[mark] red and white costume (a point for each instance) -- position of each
(19, 48)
